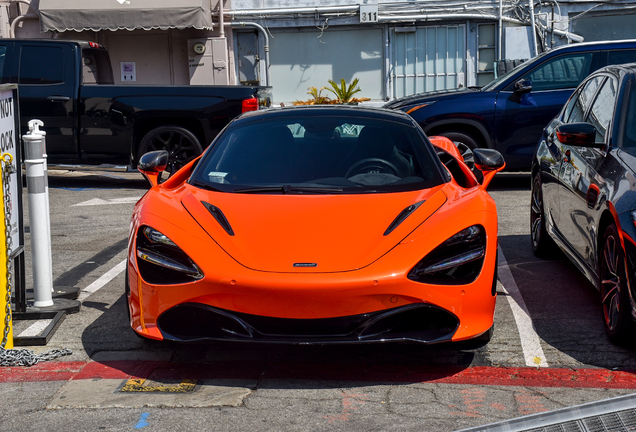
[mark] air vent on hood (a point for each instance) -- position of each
(219, 216)
(402, 216)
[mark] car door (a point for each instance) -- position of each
(581, 185)
(47, 87)
(520, 118)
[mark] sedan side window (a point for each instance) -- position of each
(561, 73)
(577, 107)
(603, 109)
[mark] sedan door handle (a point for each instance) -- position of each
(58, 98)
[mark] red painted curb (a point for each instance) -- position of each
(477, 375)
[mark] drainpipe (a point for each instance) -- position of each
(17, 21)
(534, 31)
(221, 18)
(499, 56)
(262, 29)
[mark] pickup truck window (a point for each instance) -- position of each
(3, 52)
(32, 61)
(562, 72)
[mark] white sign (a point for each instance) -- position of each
(8, 144)
(128, 71)
(368, 13)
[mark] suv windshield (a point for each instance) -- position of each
(310, 152)
(492, 84)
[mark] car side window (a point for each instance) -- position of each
(579, 105)
(603, 109)
(32, 60)
(562, 72)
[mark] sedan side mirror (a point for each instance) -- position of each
(152, 164)
(489, 162)
(524, 85)
(578, 134)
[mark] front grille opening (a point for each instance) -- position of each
(423, 323)
(193, 322)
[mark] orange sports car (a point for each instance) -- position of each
(316, 224)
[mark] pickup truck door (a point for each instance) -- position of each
(47, 85)
(520, 118)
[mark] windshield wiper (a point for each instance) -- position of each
(205, 186)
(289, 189)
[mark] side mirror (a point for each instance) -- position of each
(522, 86)
(152, 164)
(489, 162)
(578, 134)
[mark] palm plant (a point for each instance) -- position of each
(319, 99)
(343, 92)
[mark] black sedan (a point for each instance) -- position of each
(584, 191)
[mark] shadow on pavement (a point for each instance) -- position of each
(328, 364)
(564, 306)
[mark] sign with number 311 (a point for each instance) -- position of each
(368, 13)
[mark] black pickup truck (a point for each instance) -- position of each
(90, 121)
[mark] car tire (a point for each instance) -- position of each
(181, 144)
(615, 302)
(465, 143)
(541, 242)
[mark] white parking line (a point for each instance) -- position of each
(35, 329)
(530, 342)
(102, 280)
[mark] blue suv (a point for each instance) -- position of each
(510, 113)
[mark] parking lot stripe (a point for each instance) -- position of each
(530, 342)
(35, 329)
(102, 280)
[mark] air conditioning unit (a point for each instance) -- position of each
(208, 61)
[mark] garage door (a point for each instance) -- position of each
(428, 58)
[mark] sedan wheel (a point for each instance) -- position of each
(614, 296)
(542, 244)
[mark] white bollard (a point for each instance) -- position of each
(35, 163)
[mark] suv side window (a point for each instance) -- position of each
(622, 56)
(561, 72)
(577, 107)
(603, 109)
(41, 65)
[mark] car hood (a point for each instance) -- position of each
(308, 233)
(428, 96)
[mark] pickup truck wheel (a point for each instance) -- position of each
(465, 143)
(182, 145)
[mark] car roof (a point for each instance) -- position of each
(590, 46)
(329, 110)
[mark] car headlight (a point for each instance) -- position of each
(161, 261)
(457, 261)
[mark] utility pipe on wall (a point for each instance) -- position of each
(266, 47)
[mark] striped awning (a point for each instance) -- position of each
(96, 15)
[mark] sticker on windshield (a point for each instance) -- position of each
(217, 177)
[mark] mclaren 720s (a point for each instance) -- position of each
(317, 224)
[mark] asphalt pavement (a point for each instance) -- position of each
(548, 351)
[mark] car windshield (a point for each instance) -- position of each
(491, 85)
(313, 153)
(628, 135)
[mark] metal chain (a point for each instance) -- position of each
(16, 357)
(7, 170)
